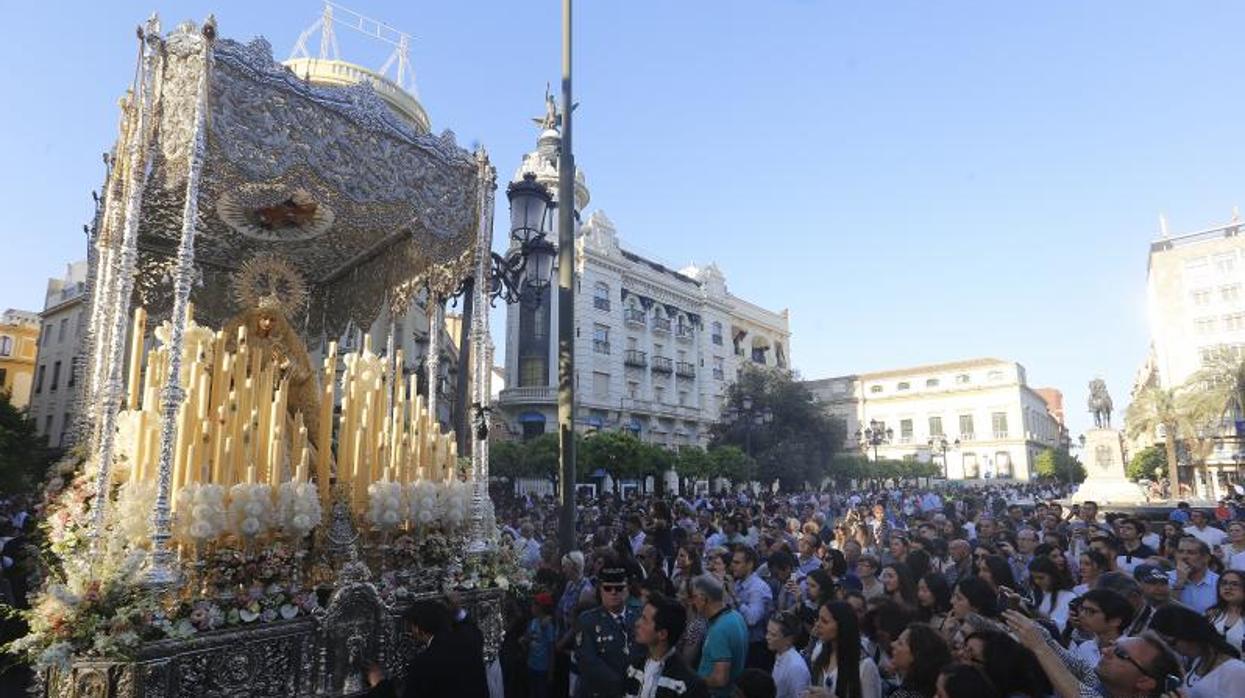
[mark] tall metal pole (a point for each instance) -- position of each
(566, 301)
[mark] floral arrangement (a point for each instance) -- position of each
(201, 512)
(250, 510)
(385, 504)
(298, 508)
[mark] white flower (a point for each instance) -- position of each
(385, 504)
(298, 508)
(250, 509)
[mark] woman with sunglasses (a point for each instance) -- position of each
(1226, 614)
(1214, 668)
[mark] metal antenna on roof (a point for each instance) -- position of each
(399, 59)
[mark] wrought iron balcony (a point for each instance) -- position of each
(719, 374)
(661, 324)
(601, 346)
(635, 316)
(716, 339)
(684, 333)
(635, 357)
(601, 303)
(685, 369)
(662, 364)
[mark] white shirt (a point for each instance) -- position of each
(1056, 609)
(870, 678)
(1234, 634)
(1237, 562)
(1223, 681)
(790, 674)
(652, 672)
(1209, 535)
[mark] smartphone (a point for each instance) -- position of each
(1171, 683)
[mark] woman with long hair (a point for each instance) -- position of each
(897, 584)
(1226, 614)
(1012, 667)
(974, 595)
(1092, 565)
(994, 570)
(918, 655)
(687, 566)
(1056, 555)
(817, 589)
(1213, 667)
(933, 600)
(835, 660)
(1050, 596)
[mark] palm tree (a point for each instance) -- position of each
(1217, 391)
(1156, 409)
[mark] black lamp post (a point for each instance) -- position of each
(876, 434)
(522, 275)
(748, 416)
(938, 446)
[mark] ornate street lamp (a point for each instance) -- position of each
(876, 434)
(522, 275)
(938, 446)
(748, 418)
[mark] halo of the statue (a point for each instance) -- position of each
(403, 205)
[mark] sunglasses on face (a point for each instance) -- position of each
(1122, 653)
(612, 588)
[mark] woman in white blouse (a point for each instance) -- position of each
(1049, 599)
(835, 658)
(1226, 614)
(791, 675)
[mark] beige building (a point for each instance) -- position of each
(993, 422)
(62, 323)
(19, 337)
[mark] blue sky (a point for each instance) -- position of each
(916, 181)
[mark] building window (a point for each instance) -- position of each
(47, 426)
(875, 389)
(1201, 296)
(601, 338)
(1195, 264)
(1002, 464)
(962, 379)
(659, 394)
(45, 336)
(998, 422)
(905, 431)
(73, 372)
(1230, 294)
(601, 296)
(1234, 322)
(716, 335)
(966, 427)
(60, 331)
(533, 371)
(600, 384)
(903, 385)
(6, 345)
(994, 376)
(39, 379)
(1225, 263)
(970, 466)
(682, 397)
(1204, 325)
(56, 375)
(931, 382)
(935, 426)
(719, 370)
(633, 389)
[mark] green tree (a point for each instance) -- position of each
(1146, 463)
(24, 456)
(731, 463)
(1058, 464)
(795, 444)
(1155, 410)
(846, 467)
(616, 452)
(693, 462)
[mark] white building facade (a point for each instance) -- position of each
(62, 323)
(654, 347)
(994, 424)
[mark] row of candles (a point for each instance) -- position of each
(234, 425)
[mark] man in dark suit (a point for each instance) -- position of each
(442, 669)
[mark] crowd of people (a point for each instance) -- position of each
(901, 593)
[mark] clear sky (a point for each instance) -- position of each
(916, 181)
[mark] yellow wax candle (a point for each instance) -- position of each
(136, 355)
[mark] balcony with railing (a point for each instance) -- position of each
(601, 346)
(662, 364)
(685, 369)
(634, 316)
(635, 357)
(528, 394)
(601, 303)
(661, 324)
(970, 436)
(683, 333)
(719, 374)
(716, 339)
(1000, 434)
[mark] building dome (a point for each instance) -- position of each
(335, 73)
(543, 162)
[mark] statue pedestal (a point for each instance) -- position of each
(1105, 482)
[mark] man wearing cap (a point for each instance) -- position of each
(603, 634)
(1155, 586)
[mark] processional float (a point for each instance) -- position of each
(252, 505)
